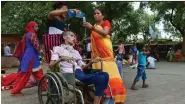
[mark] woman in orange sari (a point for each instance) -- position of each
(101, 47)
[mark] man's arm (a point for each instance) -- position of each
(62, 58)
(90, 63)
(87, 65)
(54, 62)
(54, 13)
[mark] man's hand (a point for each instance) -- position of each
(66, 58)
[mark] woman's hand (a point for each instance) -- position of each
(88, 25)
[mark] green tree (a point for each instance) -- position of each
(124, 19)
(173, 13)
(15, 15)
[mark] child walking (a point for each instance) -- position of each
(141, 67)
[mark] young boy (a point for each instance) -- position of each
(141, 67)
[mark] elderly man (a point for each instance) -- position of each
(65, 54)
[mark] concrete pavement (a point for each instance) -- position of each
(166, 86)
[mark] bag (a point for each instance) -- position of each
(111, 99)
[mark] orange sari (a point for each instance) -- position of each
(102, 47)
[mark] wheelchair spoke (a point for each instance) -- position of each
(53, 89)
(53, 101)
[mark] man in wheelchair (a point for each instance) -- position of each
(67, 56)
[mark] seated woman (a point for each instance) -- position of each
(178, 55)
(65, 55)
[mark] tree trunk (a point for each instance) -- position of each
(183, 45)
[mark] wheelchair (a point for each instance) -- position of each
(63, 88)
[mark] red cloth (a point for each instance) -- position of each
(35, 42)
(22, 79)
(8, 79)
(50, 41)
(30, 27)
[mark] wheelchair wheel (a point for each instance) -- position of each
(52, 94)
(89, 93)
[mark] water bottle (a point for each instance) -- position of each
(84, 19)
(71, 13)
(80, 15)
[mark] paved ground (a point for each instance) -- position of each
(167, 86)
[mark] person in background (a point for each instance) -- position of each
(88, 48)
(7, 51)
(151, 62)
(170, 54)
(134, 53)
(120, 56)
(29, 59)
(178, 55)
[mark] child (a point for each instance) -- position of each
(151, 62)
(141, 67)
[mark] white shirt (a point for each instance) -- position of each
(88, 47)
(7, 51)
(151, 60)
(54, 30)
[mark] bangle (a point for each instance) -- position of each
(93, 28)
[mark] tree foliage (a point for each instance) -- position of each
(124, 19)
(173, 13)
(15, 15)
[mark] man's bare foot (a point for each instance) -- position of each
(134, 88)
(145, 86)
